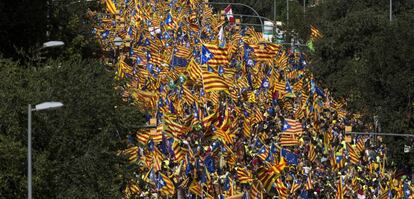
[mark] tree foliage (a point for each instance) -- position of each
(74, 147)
(367, 59)
(362, 57)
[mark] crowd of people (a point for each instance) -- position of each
(231, 115)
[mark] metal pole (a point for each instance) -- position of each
(29, 152)
(274, 19)
(381, 134)
(240, 4)
(274, 12)
(390, 10)
(254, 16)
(304, 8)
(287, 12)
(48, 20)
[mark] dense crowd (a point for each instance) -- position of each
(234, 116)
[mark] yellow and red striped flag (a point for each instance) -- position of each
(315, 33)
(292, 126)
(196, 189)
(207, 121)
(309, 184)
(182, 51)
(360, 146)
(174, 128)
(156, 158)
(288, 141)
(263, 53)
(244, 176)
(132, 154)
(340, 189)
(188, 96)
(247, 129)
(281, 189)
(266, 176)
(179, 152)
(280, 86)
(142, 137)
(194, 71)
(166, 185)
(311, 153)
(213, 82)
(255, 37)
(225, 136)
(295, 186)
(219, 55)
(353, 154)
(110, 6)
(123, 68)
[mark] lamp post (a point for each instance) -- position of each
(39, 107)
(287, 12)
(117, 42)
(390, 10)
(52, 44)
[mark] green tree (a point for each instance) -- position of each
(366, 59)
(75, 147)
(23, 26)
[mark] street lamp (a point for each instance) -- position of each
(117, 42)
(390, 10)
(52, 44)
(39, 107)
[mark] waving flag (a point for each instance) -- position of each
(182, 51)
(179, 152)
(225, 136)
(340, 189)
(311, 153)
(142, 138)
(353, 154)
(213, 82)
(288, 88)
(288, 141)
(244, 176)
(132, 152)
(195, 188)
(221, 38)
(295, 186)
(281, 188)
(278, 168)
(194, 71)
(214, 55)
(205, 135)
(110, 6)
(263, 152)
(169, 22)
(290, 157)
(264, 52)
(266, 177)
(105, 34)
(174, 128)
(229, 14)
(165, 185)
(315, 33)
(206, 55)
(309, 184)
(292, 126)
(360, 146)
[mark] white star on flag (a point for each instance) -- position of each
(208, 54)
